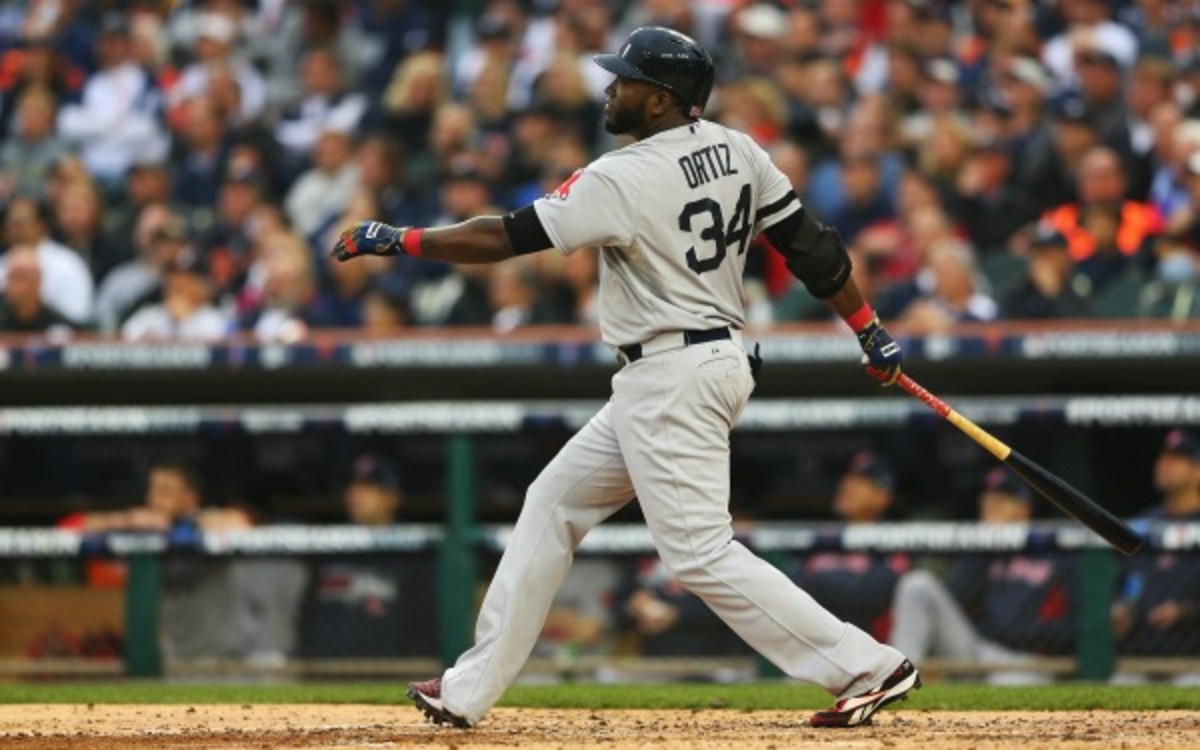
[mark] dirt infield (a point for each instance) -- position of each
(325, 727)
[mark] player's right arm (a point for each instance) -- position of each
(483, 239)
(587, 209)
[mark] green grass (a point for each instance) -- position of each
(744, 697)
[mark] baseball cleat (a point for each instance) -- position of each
(856, 711)
(428, 697)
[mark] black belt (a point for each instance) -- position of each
(633, 352)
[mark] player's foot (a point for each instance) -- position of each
(857, 710)
(428, 697)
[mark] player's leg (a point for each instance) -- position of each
(926, 619)
(673, 413)
(584, 484)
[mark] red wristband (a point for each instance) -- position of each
(412, 242)
(860, 318)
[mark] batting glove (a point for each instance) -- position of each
(369, 238)
(881, 354)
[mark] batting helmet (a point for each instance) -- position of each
(665, 58)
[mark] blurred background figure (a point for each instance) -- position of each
(1158, 602)
(1000, 610)
(67, 283)
(201, 611)
(22, 309)
(1051, 288)
(667, 620)
(857, 586)
(29, 155)
(186, 312)
(370, 606)
(116, 119)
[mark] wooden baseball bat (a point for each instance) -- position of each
(1070, 500)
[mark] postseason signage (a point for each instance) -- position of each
(579, 347)
(611, 539)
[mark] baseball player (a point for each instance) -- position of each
(673, 214)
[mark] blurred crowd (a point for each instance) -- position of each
(180, 169)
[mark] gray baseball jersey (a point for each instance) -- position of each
(674, 215)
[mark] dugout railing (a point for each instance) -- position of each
(1094, 654)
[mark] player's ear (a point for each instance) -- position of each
(661, 103)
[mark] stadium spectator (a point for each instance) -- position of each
(1023, 85)
(1102, 186)
(148, 182)
(67, 284)
(1173, 293)
(78, 212)
(857, 586)
(382, 173)
(949, 290)
(342, 292)
(1158, 601)
(391, 32)
(1051, 289)
(324, 104)
(1175, 140)
(866, 202)
(760, 29)
(34, 62)
(322, 192)
(116, 118)
(279, 310)
(22, 309)
(198, 156)
(186, 312)
(158, 238)
(414, 94)
(386, 308)
(362, 606)
(216, 35)
(1000, 610)
(988, 205)
(1101, 81)
(1089, 25)
(30, 153)
(1148, 93)
(228, 243)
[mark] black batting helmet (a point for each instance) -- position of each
(665, 58)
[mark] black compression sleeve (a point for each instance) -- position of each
(525, 231)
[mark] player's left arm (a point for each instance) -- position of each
(483, 239)
(815, 254)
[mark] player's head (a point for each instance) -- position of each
(658, 71)
(373, 495)
(1005, 499)
(864, 493)
(1178, 466)
(173, 489)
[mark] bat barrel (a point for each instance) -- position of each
(1076, 504)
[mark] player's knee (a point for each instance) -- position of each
(916, 584)
(693, 571)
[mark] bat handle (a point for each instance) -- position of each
(917, 390)
(987, 440)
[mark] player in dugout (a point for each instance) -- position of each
(673, 212)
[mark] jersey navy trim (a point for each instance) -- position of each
(774, 208)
